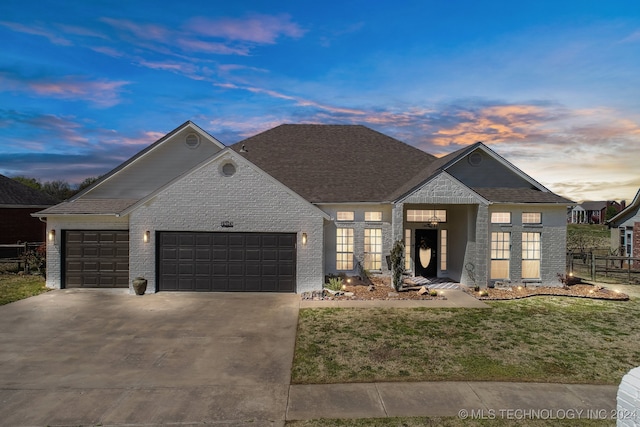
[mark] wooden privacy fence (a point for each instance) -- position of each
(603, 264)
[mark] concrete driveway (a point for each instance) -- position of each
(85, 357)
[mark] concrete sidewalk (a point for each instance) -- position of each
(490, 400)
(453, 299)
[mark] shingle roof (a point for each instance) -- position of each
(13, 193)
(520, 195)
(593, 206)
(89, 207)
(335, 163)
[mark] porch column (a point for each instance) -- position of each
(482, 246)
(397, 223)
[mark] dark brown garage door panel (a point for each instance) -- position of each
(96, 259)
(250, 262)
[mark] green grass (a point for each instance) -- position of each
(539, 339)
(447, 422)
(16, 287)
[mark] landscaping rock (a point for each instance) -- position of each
(423, 290)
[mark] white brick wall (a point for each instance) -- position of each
(628, 401)
(250, 199)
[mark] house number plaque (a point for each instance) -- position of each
(226, 224)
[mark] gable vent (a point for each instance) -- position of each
(474, 158)
(192, 140)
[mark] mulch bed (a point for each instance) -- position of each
(382, 290)
(582, 290)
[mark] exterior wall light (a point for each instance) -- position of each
(145, 237)
(304, 238)
(52, 235)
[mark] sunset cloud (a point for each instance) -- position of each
(37, 30)
(262, 29)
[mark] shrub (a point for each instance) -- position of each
(397, 264)
(335, 284)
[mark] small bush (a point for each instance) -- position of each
(335, 284)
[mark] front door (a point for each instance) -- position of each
(426, 254)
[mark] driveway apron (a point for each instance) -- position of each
(82, 357)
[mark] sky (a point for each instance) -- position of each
(553, 86)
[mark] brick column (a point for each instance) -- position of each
(636, 243)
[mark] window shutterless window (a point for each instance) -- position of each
(426, 215)
(344, 249)
(500, 255)
(500, 217)
(531, 255)
(373, 249)
(345, 216)
(373, 216)
(532, 218)
(407, 249)
(443, 250)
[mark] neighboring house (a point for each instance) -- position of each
(625, 230)
(594, 212)
(282, 209)
(17, 203)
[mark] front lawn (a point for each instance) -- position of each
(539, 339)
(15, 287)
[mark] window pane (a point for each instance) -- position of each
(500, 217)
(443, 250)
(531, 269)
(500, 254)
(345, 216)
(531, 218)
(407, 249)
(426, 215)
(373, 249)
(344, 249)
(373, 216)
(499, 269)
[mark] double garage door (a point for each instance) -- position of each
(251, 262)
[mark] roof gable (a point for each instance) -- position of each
(16, 194)
(211, 172)
(169, 157)
(633, 209)
(334, 163)
(488, 174)
(431, 192)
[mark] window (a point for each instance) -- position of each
(443, 250)
(426, 215)
(532, 218)
(407, 249)
(530, 255)
(373, 216)
(500, 217)
(373, 249)
(345, 216)
(500, 254)
(344, 249)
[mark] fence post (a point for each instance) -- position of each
(593, 266)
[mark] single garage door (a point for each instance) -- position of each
(249, 262)
(96, 259)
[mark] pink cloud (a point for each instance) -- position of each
(257, 28)
(102, 93)
(211, 47)
(37, 30)
(142, 31)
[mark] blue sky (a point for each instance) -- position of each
(554, 86)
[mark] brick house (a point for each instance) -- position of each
(17, 203)
(594, 212)
(280, 210)
(625, 230)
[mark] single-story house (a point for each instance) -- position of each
(594, 212)
(625, 230)
(17, 203)
(282, 209)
